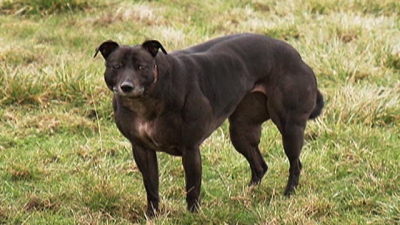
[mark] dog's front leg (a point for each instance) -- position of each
(191, 160)
(146, 161)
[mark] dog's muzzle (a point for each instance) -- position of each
(127, 89)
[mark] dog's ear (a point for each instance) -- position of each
(106, 48)
(153, 46)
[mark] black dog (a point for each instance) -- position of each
(173, 102)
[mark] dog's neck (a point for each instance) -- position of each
(144, 107)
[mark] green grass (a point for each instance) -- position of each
(63, 161)
(43, 7)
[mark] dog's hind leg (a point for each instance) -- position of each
(292, 139)
(245, 132)
(291, 125)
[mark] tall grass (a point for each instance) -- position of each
(43, 7)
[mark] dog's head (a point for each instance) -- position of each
(131, 71)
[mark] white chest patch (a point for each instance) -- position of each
(143, 128)
(146, 131)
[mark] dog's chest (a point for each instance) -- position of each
(157, 135)
(145, 130)
(138, 122)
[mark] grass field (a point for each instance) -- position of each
(62, 160)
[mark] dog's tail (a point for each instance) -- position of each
(318, 106)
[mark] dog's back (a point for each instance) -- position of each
(249, 62)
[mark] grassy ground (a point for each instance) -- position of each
(62, 160)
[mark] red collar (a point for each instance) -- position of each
(154, 84)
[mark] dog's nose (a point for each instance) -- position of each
(126, 87)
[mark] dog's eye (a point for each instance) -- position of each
(116, 66)
(141, 67)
